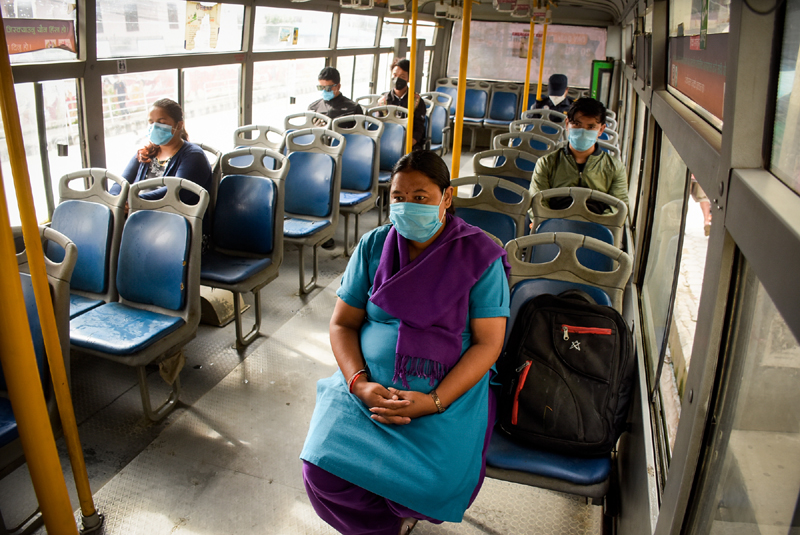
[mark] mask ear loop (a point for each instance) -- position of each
(440, 205)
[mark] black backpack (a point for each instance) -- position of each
(567, 374)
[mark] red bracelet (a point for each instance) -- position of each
(352, 380)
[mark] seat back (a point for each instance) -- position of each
(252, 206)
(579, 209)
(251, 161)
(540, 127)
(305, 119)
(611, 123)
(440, 115)
(611, 114)
(476, 99)
(613, 150)
(524, 141)
(566, 267)
(549, 115)
(609, 136)
(505, 97)
(393, 141)
(489, 210)
(315, 174)
(360, 159)
(92, 218)
(368, 101)
(162, 238)
(588, 258)
(267, 137)
(214, 160)
(511, 164)
(449, 87)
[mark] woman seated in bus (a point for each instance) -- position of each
(400, 430)
(168, 153)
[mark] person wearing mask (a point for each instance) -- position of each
(168, 153)
(333, 103)
(557, 98)
(398, 96)
(581, 163)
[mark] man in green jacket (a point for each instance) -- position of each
(581, 162)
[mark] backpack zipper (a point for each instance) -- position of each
(583, 330)
(525, 368)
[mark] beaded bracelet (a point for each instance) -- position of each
(353, 379)
(438, 402)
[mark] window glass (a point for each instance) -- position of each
(276, 83)
(40, 31)
(698, 51)
(345, 66)
(425, 30)
(127, 100)
(357, 30)
(63, 133)
(155, 27)
(751, 476)
(426, 68)
(392, 29)
(785, 161)
(211, 104)
(384, 72)
(356, 72)
(635, 173)
(278, 28)
(499, 51)
(26, 102)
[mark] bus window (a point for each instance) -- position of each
(63, 135)
(785, 162)
(211, 104)
(155, 28)
(276, 82)
(357, 31)
(278, 28)
(750, 478)
(127, 99)
(392, 29)
(41, 31)
(356, 73)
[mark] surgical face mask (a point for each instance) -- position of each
(557, 100)
(415, 222)
(582, 139)
(327, 95)
(160, 134)
(399, 83)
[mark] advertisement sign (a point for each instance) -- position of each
(28, 35)
(700, 73)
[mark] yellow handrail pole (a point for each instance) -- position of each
(25, 389)
(41, 288)
(412, 78)
(462, 91)
(541, 62)
(527, 87)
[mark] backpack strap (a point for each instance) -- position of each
(577, 295)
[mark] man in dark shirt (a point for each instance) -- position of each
(557, 98)
(398, 96)
(333, 103)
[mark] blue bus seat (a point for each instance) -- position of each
(525, 141)
(92, 218)
(313, 184)
(609, 136)
(588, 258)
(159, 287)
(502, 107)
(487, 210)
(476, 107)
(540, 127)
(368, 101)
(393, 147)
(215, 161)
(578, 210)
(263, 136)
(439, 123)
(512, 164)
(610, 148)
(246, 248)
(507, 460)
(449, 86)
(360, 165)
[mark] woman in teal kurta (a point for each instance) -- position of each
(395, 434)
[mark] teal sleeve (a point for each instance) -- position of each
(360, 272)
(489, 296)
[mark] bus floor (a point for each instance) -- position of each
(226, 460)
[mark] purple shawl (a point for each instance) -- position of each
(430, 296)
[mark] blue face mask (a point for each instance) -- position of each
(415, 222)
(327, 95)
(582, 139)
(160, 134)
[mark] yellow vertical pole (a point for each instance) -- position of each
(25, 389)
(41, 288)
(412, 78)
(527, 87)
(462, 90)
(541, 62)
